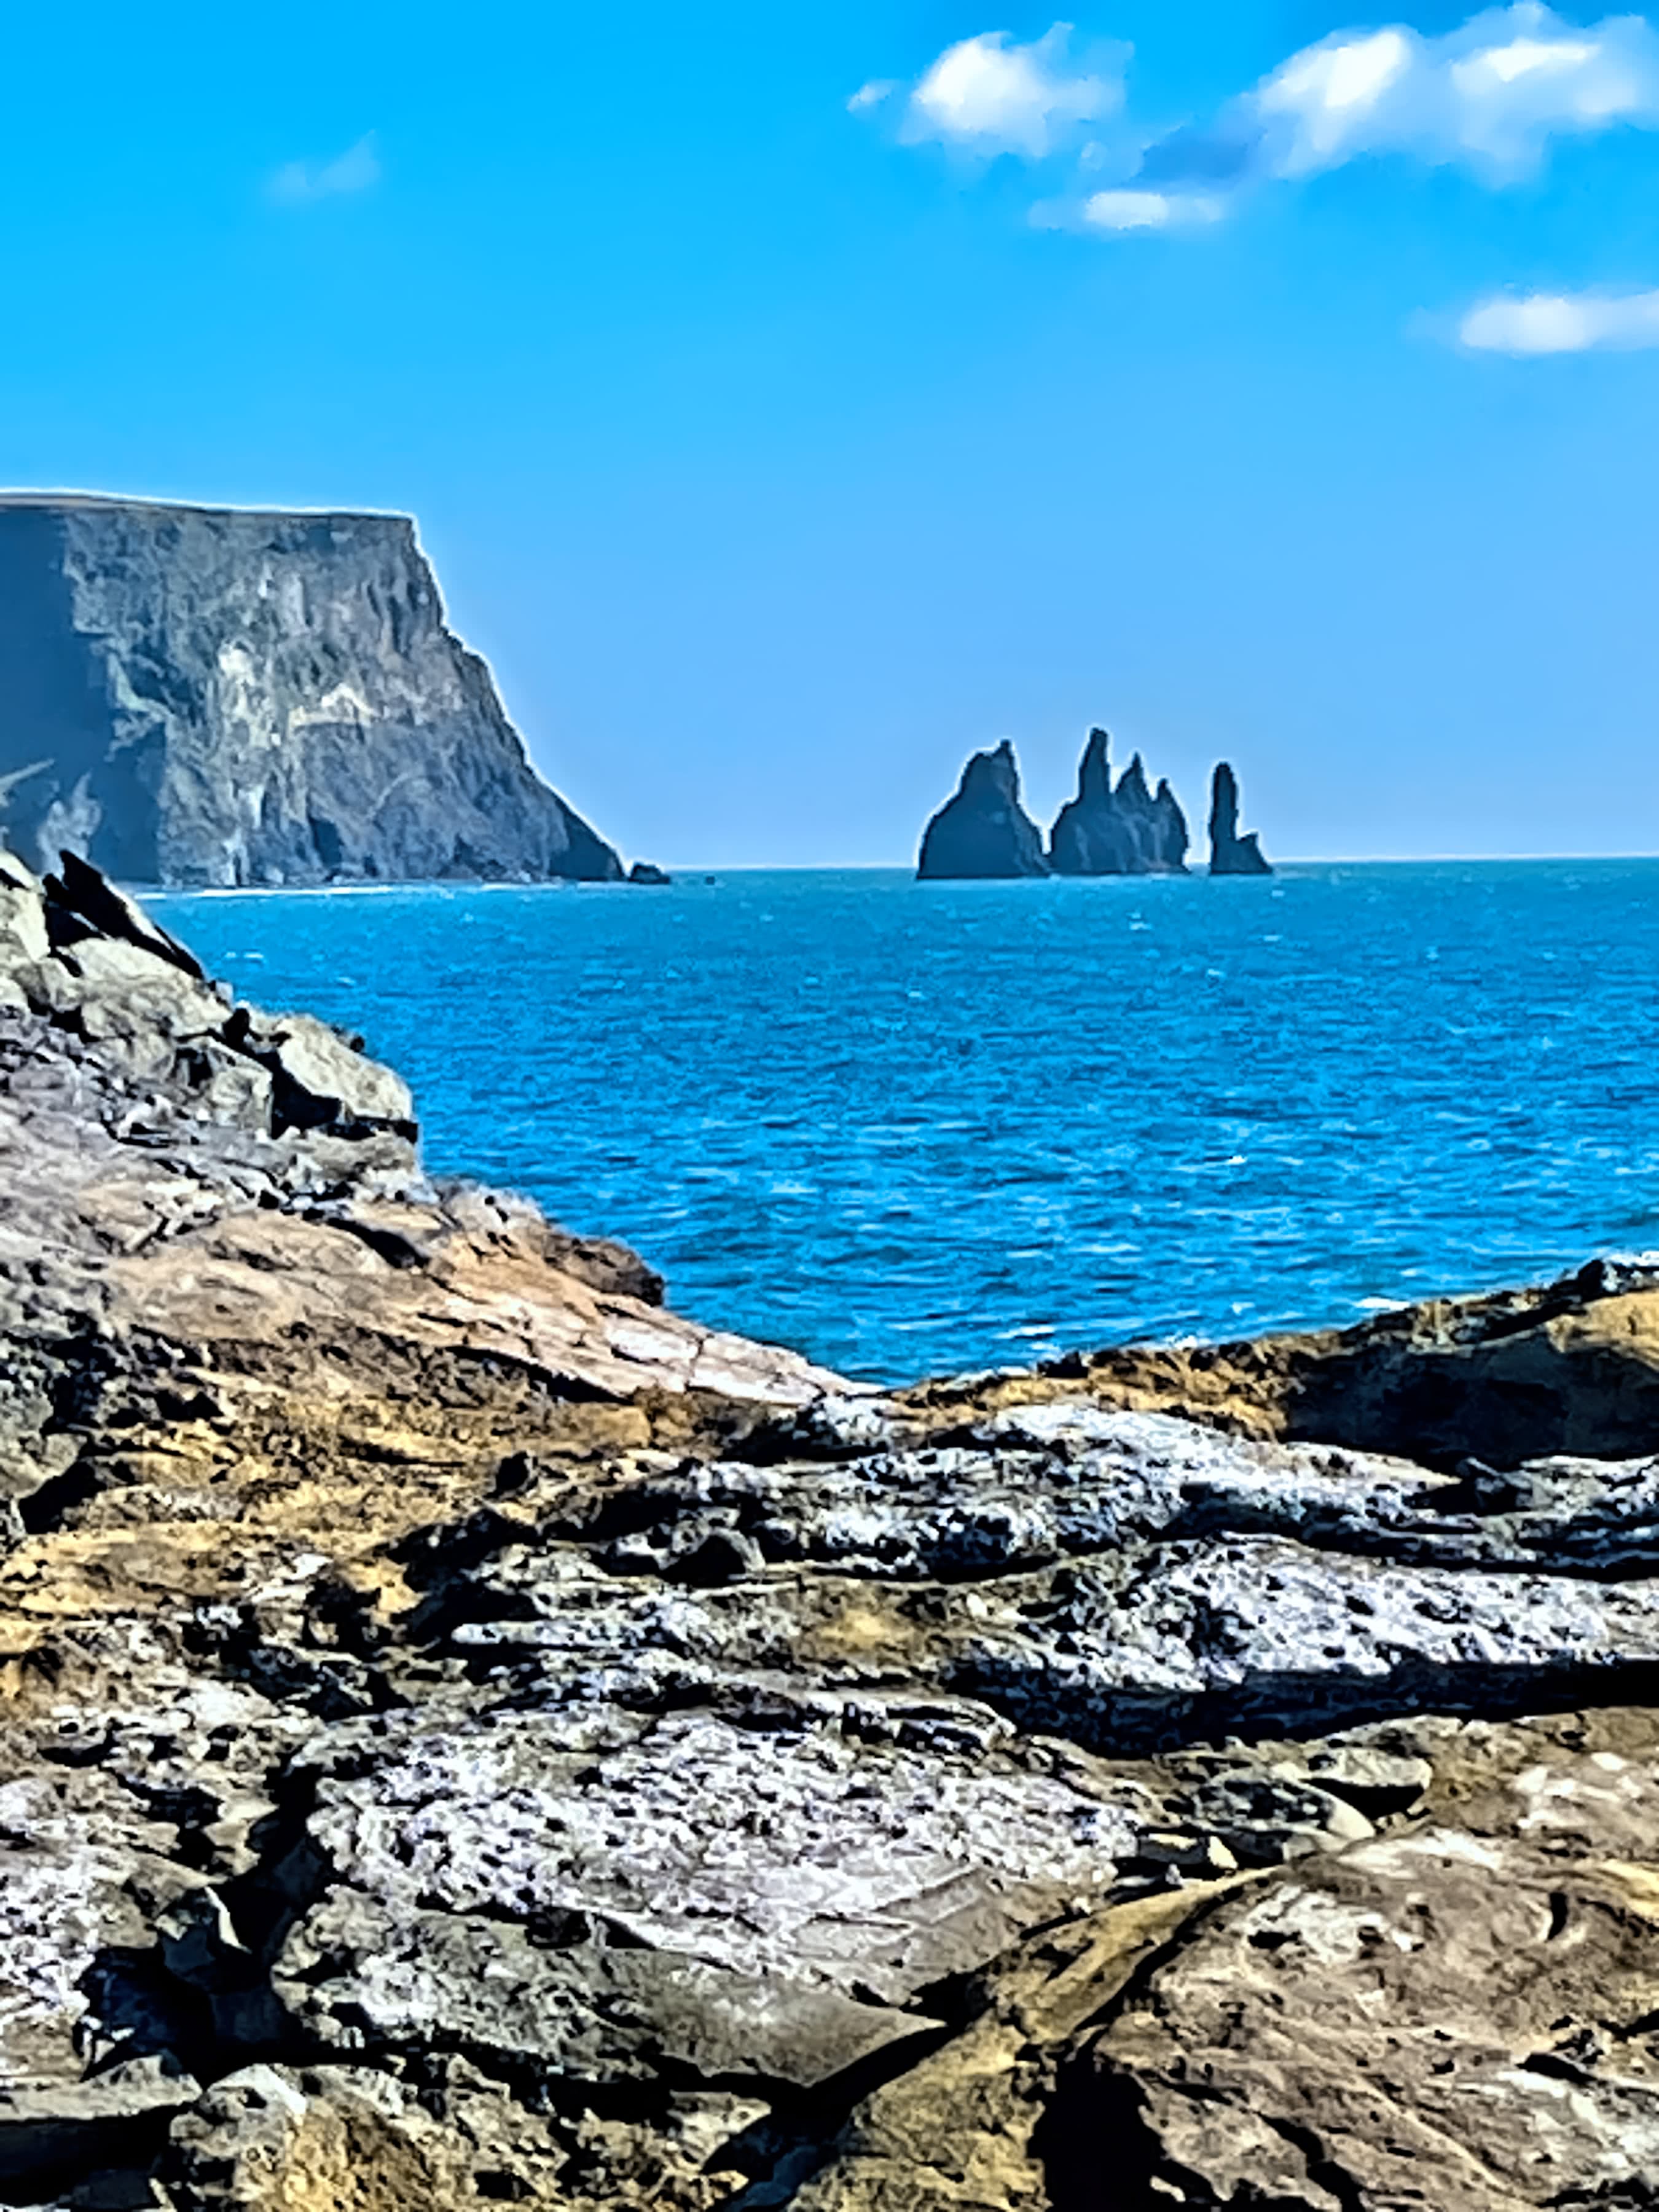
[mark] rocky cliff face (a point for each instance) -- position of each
(1231, 854)
(473, 1737)
(1128, 831)
(200, 696)
(984, 831)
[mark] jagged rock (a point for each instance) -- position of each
(320, 1079)
(646, 871)
(471, 1735)
(269, 2136)
(984, 831)
(207, 696)
(1231, 854)
(80, 905)
(1122, 832)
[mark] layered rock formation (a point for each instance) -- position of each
(1231, 854)
(471, 1737)
(1127, 831)
(983, 830)
(195, 695)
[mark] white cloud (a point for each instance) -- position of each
(1128, 210)
(1491, 94)
(354, 171)
(993, 98)
(1562, 322)
(1324, 97)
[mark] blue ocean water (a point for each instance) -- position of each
(914, 1128)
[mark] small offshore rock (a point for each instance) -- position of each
(983, 831)
(1231, 854)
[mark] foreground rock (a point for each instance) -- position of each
(207, 696)
(1122, 831)
(473, 1737)
(984, 831)
(1231, 854)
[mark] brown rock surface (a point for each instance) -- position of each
(472, 1737)
(1571, 1366)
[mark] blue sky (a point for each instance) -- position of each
(1276, 380)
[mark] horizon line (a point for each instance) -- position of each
(1286, 860)
(687, 871)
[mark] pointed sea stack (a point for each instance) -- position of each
(983, 831)
(1230, 853)
(1127, 832)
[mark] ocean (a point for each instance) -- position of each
(916, 1128)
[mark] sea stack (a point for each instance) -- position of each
(207, 696)
(1128, 831)
(1231, 854)
(983, 831)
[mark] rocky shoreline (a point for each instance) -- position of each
(472, 1737)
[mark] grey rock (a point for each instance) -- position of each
(1231, 854)
(364, 1974)
(983, 831)
(1126, 831)
(839, 1861)
(203, 696)
(83, 1868)
(114, 2124)
(321, 1077)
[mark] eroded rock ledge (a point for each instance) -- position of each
(473, 1737)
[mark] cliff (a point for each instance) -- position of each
(1231, 854)
(983, 830)
(1127, 831)
(472, 1737)
(193, 695)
